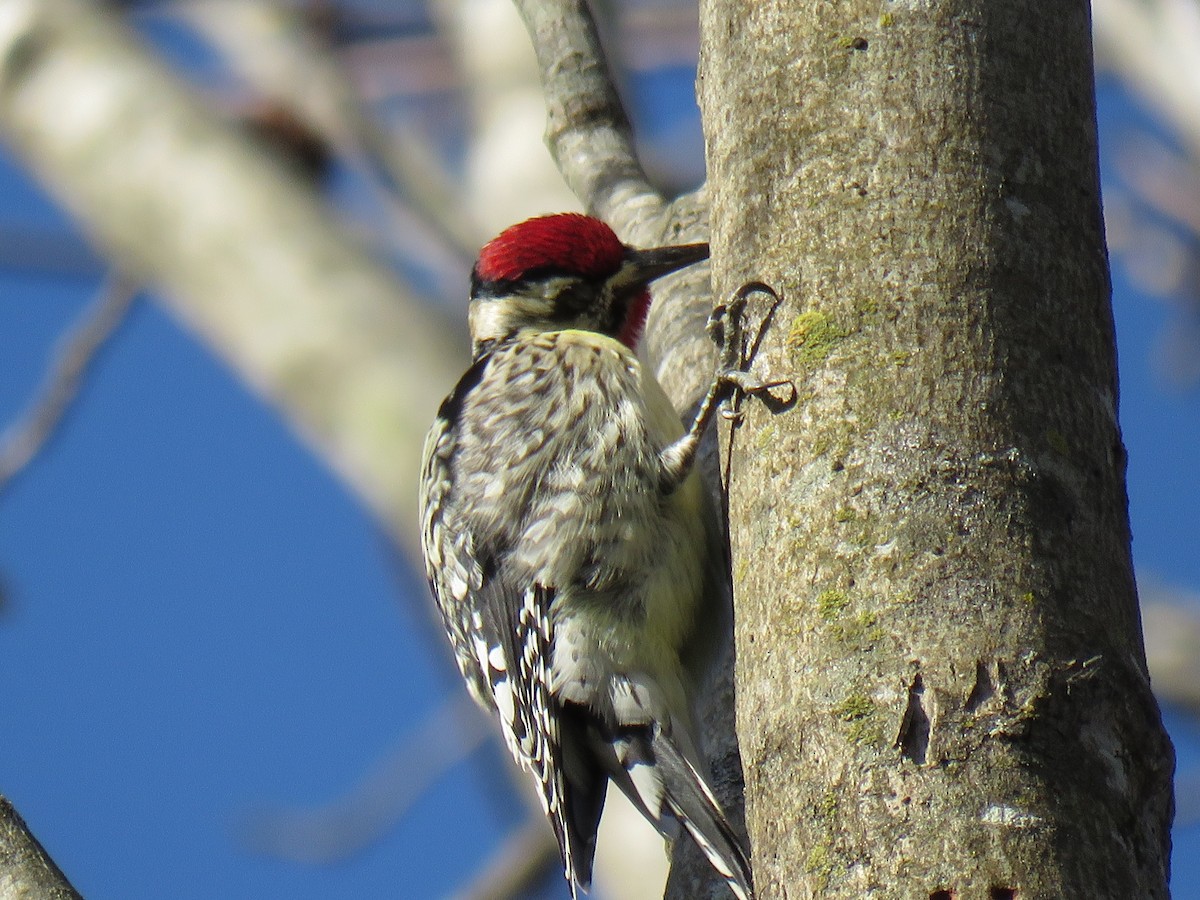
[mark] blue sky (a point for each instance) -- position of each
(202, 624)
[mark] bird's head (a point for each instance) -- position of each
(566, 271)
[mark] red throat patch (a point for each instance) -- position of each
(635, 320)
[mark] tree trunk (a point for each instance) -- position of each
(942, 690)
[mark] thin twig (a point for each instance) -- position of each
(23, 440)
(339, 829)
(514, 870)
(587, 130)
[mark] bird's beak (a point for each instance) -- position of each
(640, 267)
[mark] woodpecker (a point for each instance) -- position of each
(570, 545)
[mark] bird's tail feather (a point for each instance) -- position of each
(668, 787)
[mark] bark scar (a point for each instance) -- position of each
(913, 739)
(983, 690)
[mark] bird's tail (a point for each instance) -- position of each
(667, 786)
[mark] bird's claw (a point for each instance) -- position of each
(726, 326)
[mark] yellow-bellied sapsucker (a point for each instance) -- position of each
(570, 545)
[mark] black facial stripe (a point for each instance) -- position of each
(576, 296)
(482, 289)
(580, 302)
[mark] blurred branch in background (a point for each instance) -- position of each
(77, 351)
(381, 799)
(289, 57)
(1153, 46)
(526, 859)
(247, 256)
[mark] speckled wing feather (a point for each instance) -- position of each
(497, 575)
(568, 580)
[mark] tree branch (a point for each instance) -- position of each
(22, 441)
(26, 870)
(587, 129)
(524, 860)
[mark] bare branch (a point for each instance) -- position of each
(339, 829)
(22, 441)
(587, 129)
(26, 870)
(527, 857)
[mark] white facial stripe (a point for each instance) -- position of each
(488, 319)
(492, 317)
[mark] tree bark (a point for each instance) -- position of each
(26, 870)
(942, 690)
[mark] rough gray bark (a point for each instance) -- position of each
(26, 871)
(941, 685)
